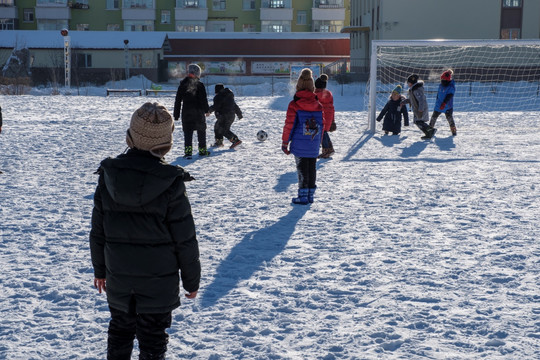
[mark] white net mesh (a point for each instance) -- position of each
(490, 76)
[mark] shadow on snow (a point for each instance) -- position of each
(251, 254)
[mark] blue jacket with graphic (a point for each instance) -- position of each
(445, 95)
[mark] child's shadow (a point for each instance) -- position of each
(251, 254)
(445, 144)
(181, 161)
(390, 140)
(415, 149)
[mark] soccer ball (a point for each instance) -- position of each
(262, 135)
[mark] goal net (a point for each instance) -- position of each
(490, 75)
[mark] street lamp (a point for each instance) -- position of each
(126, 57)
(67, 57)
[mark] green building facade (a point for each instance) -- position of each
(176, 15)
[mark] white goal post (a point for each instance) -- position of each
(490, 75)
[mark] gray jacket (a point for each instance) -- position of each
(418, 102)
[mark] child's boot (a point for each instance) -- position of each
(218, 143)
(235, 142)
(311, 192)
(203, 151)
(188, 152)
(302, 197)
(453, 130)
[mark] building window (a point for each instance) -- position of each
(165, 16)
(45, 24)
(138, 25)
(83, 27)
(512, 3)
(51, 2)
(248, 28)
(219, 4)
(28, 15)
(113, 27)
(191, 26)
(248, 5)
(188, 3)
(138, 4)
(113, 4)
(136, 60)
(510, 34)
(276, 26)
(301, 17)
(334, 26)
(83, 60)
(276, 4)
(7, 24)
(7, 2)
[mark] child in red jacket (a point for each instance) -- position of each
(327, 101)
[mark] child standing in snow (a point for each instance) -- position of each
(445, 101)
(303, 131)
(327, 101)
(142, 236)
(192, 94)
(225, 109)
(392, 112)
(419, 105)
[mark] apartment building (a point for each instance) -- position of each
(437, 19)
(176, 15)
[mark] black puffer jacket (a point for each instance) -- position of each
(143, 233)
(225, 105)
(192, 94)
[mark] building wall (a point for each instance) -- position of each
(430, 19)
(97, 16)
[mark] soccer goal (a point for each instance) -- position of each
(490, 75)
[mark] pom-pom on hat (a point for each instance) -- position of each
(447, 75)
(398, 89)
(305, 81)
(151, 129)
(413, 79)
(218, 88)
(195, 70)
(321, 81)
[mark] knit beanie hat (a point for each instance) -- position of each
(305, 81)
(321, 81)
(413, 79)
(447, 75)
(194, 69)
(151, 129)
(218, 88)
(397, 89)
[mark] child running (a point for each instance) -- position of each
(445, 101)
(225, 109)
(392, 112)
(419, 105)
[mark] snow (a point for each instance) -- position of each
(412, 249)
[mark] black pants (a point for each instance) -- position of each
(449, 117)
(307, 172)
(222, 128)
(201, 138)
(149, 329)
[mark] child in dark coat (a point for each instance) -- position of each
(392, 112)
(225, 109)
(445, 101)
(303, 131)
(192, 99)
(143, 240)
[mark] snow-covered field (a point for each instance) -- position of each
(412, 249)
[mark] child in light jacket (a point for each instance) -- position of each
(419, 105)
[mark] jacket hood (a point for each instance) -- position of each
(137, 177)
(420, 83)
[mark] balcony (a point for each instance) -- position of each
(52, 10)
(328, 10)
(8, 10)
(195, 10)
(272, 10)
(328, 4)
(138, 10)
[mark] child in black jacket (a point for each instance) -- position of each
(392, 112)
(225, 109)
